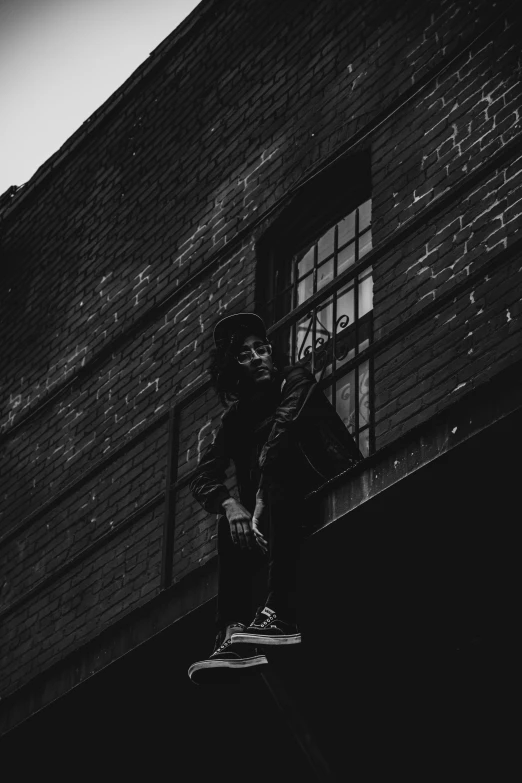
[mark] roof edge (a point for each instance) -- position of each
(11, 198)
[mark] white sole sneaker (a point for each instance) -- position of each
(262, 639)
(223, 669)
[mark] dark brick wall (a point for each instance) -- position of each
(458, 145)
(119, 255)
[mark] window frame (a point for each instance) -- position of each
(303, 235)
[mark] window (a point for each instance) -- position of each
(320, 300)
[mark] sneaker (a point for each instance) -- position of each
(268, 629)
(227, 660)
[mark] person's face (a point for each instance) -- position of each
(260, 368)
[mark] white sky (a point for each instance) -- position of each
(60, 60)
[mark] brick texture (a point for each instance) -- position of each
(118, 256)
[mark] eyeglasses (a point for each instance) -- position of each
(246, 356)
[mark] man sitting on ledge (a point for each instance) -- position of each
(285, 439)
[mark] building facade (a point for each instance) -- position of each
(353, 173)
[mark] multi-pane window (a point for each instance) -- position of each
(330, 335)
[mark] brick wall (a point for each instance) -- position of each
(447, 172)
(120, 253)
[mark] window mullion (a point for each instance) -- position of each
(334, 301)
(316, 254)
(314, 331)
(356, 228)
(334, 331)
(356, 318)
(296, 272)
(322, 295)
(371, 418)
(356, 422)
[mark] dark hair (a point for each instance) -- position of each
(227, 378)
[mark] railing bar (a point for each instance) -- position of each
(369, 425)
(170, 498)
(101, 465)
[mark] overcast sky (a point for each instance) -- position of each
(60, 60)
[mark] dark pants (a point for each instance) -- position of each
(286, 517)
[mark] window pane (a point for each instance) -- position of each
(366, 293)
(345, 400)
(326, 245)
(365, 243)
(364, 442)
(345, 336)
(365, 215)
(345, 314)
(323, 323)
(364, 394)
(306, 263)
(305, 288)
(345, 258)
(328, 394)
(325, 274)
(346, 229)
(304, 338)
(323, 338)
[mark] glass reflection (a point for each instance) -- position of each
(365, 243)
(365, 215)
(345, 400)
(326, 244)
(325, 274)
(306, 263)
(364, 394)
(364, 444)
(305, 288)
(345, 258)
(346, 228)
(345, 337)
(366, 293)
(304, 335)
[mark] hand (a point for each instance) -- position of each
(256, 519)
(243, 529)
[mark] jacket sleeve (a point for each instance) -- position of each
(207, 486)
(295, 393)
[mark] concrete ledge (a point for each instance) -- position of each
(472, 414)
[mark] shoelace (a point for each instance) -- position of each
(226, 643)
(268, 621)
(222, 646)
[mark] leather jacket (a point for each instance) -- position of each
(302, 418)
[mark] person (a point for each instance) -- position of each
(284, 439)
